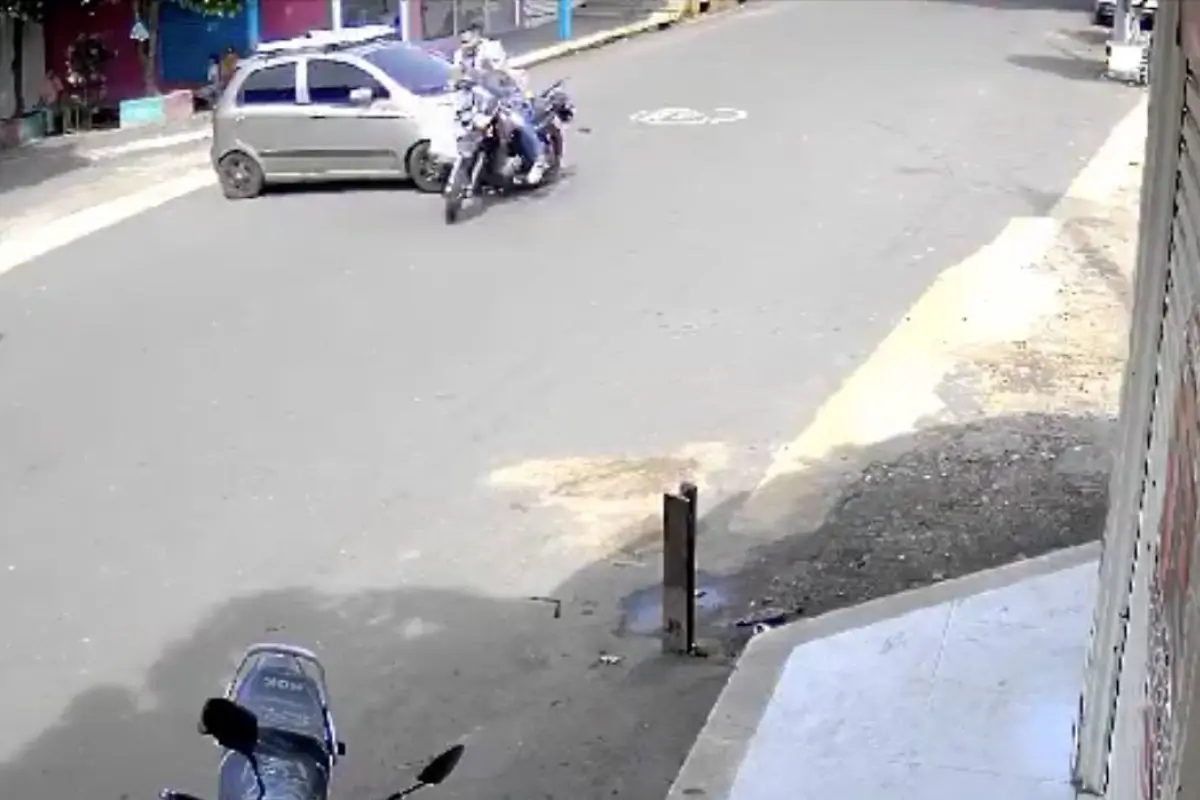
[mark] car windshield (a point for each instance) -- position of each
(416, 70)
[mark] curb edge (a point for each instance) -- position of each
(655, 22)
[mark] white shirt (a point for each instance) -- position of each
(489, 54)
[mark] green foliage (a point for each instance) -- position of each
(24, 10)
(212, 8)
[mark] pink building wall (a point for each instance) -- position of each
(112, 21)
(282, 18)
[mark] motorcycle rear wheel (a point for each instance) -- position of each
(456, 188)
(554, 153)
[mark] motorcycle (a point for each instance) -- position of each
(274, 726)
(486, 144)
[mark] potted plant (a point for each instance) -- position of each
(87, 59)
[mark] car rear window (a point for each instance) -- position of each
(269, 86)
(417, 71)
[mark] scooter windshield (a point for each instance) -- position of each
(283, 696)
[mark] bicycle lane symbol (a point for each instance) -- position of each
(661, 117)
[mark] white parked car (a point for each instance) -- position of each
(1102, 11)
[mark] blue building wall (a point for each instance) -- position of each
(186, 40)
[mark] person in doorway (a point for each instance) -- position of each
(49, 101)
(214, 71)
(477, 53)
(211, 91)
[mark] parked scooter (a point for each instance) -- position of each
(278, 735)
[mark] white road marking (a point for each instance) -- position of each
(21, 246)
(145, 145)
(687, 116)
(720, 116)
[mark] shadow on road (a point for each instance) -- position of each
(1077, 68)
(1094, 37)
(29, 166)
(341, 187)
(413, 669)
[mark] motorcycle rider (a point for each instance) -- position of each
(478, 53)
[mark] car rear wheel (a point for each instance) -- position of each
(240, 175)
(428, 174)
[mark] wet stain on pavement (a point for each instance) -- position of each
(641, 612)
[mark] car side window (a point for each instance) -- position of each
(273, 85)
(330, 82)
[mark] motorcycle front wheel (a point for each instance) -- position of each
(456, 189)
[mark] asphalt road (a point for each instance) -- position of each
(325, 417)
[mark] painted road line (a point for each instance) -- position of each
(147, 145)
(674, 116)
(21, 246)
(995, 295)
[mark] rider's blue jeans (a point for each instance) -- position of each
(530, 142)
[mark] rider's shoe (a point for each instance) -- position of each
(510, 167)
(536, 172)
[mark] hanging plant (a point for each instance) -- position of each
(87, 59)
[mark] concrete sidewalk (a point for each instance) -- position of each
(604, 23)
(47, 158)
(969, 688)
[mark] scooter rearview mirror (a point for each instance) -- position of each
(235, 728)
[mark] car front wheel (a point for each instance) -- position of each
(240, 175)
(428, 173)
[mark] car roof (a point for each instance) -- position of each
(353, 50)
(327, 41)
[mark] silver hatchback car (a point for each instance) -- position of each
(322, 108)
